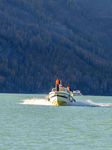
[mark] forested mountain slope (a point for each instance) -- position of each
(42, 40)
(101, 14)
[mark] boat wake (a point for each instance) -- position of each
(36, 101)
(89, 103)
(44, 101)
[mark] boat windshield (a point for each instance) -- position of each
(61, 89)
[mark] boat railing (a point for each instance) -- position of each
(72, 99)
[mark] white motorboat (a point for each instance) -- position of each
(60, 96)
(77, 93)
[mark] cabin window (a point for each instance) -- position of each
(54, 90)
(61, 89)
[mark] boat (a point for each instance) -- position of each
(60, 95)
(77, 93)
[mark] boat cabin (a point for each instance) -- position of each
(61, 89)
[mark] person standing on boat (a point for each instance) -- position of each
(57, 81)
(68, 88)
(57, 84)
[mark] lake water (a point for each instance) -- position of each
(28, 121)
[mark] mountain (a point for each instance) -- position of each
(41, 41)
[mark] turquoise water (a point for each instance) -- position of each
(27, 121)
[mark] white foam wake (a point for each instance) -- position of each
(89, 103)
(36, 101)
(100, 104)
(44, 101)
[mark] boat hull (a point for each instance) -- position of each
(59, 98)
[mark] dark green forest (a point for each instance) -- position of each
(42, 40)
